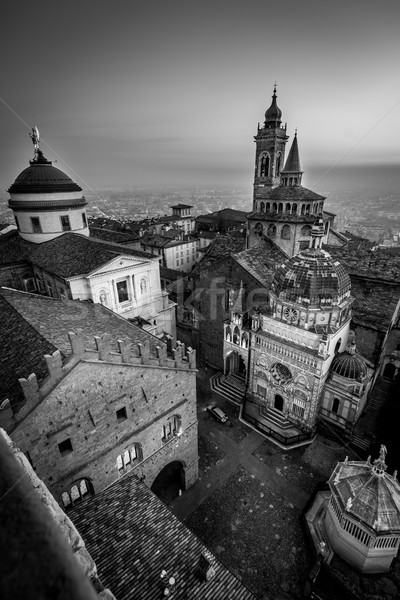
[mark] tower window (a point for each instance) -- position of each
(36, 226)
(264, 165)
(285, 232)
(65, 224)
(121, 414)
(65, 447)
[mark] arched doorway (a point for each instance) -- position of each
(235, 365)
(389, 371)
(278, 403)
(169, 481)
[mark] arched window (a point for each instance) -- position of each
(262, 207)
(274, 207)
(278, 164)
(271, 231)
(280, 207)
(245, 341)
(305, 230)
(264, 165)
(288, 207)
(78, 491)
(337, 347)
(315, 208)
(267, 207)
(129, 458)
(294, 209)
(307, 209)
(228, 334)
(258, 228)
(285, 232)
(335, 405)
(236, 336)
(303, 209)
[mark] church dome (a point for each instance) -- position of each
(41, 177)
(349, 364)
(311, 278)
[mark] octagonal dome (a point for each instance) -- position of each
(311, 278)
(368, 492)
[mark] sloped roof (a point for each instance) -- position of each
(14, 249)
(132, 537)
(33, 325)
(282, 193)
(292, 164)
(371, 495)
(261, 260)
(222, 247)
(72, 254)
(109, 235)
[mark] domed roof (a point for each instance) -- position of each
(42, 177)
(368, 492)
(273, 113)
(349, 364)
(311, 278)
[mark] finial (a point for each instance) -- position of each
(379, 464)
(35, 137)
(295, 132)
(275, 88)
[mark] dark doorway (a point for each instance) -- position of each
(390, 370)
(278, 402)
(169, 481)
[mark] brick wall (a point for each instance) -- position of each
(83, 408)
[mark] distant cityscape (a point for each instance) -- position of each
(365, 200)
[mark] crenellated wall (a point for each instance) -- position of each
(103, 403)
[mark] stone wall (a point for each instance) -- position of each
(100, 409)
(54, 561)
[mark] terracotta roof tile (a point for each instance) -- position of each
(132, 536)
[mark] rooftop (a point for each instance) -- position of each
(133, 537)
(33, 325)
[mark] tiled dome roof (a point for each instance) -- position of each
(42, 177)
(369, 493)
(350, 365)
(311, 278)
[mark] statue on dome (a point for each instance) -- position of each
(35, 137)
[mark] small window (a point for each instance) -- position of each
(122, 291)
(65, 224)
(121, 414)
(65, 447)
(335, 405)
(84, 220)
(36, 226)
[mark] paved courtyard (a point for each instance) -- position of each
(248, 502)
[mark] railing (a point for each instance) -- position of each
(284, 440)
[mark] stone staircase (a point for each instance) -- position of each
(229, 386)
(278, 418)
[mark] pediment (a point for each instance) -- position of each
(118, 263)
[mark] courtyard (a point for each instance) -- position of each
(247, 505)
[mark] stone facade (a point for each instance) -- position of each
(104, 414)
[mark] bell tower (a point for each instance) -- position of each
(270, 147)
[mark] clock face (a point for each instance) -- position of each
(291, 314)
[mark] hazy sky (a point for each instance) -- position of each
(153, 93)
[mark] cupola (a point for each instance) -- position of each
(45, 201)
(273, 114)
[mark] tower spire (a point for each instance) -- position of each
(291, 174)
